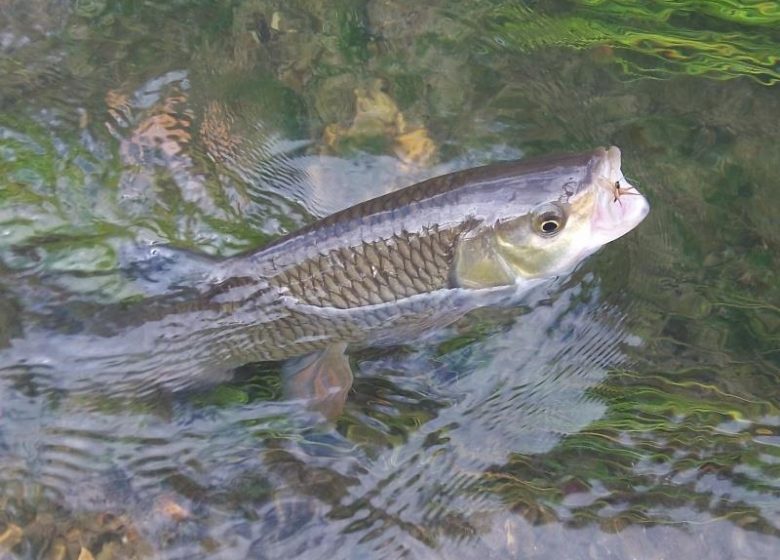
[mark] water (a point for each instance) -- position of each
(628, 411)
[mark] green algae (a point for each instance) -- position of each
(687, 430)
(655, 39)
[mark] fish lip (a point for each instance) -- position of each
(608, 163)
(615, 214)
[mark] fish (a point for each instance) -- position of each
(384, 271)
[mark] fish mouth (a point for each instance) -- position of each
(620, 207)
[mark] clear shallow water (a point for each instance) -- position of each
(629, 411)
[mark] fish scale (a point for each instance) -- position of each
(374, 272)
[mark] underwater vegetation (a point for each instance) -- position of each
(631, 411)
(655, 39)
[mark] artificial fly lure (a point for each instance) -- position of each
(620, 192)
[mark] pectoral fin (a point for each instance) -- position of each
(322, 378)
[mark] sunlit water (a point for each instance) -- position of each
(627, 411)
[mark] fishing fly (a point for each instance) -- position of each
(621, 191)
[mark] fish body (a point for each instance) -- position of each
(450, 242)
(385, 270)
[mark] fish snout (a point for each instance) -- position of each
(620, 207)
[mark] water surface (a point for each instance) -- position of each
(630, 410)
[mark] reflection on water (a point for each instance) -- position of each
(629, 411)
(406, 464)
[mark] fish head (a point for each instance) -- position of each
(571, 222)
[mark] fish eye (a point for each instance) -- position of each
(548, 220)
(550, 226)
